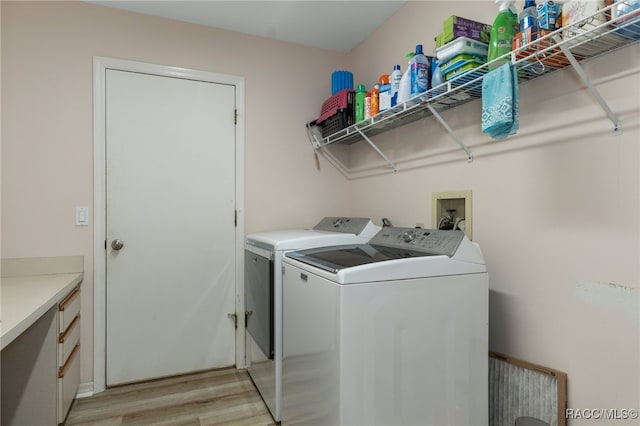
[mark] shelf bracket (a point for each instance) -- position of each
(617, 128)
(455, 137)
(380, 153)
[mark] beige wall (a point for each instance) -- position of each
(555, 208)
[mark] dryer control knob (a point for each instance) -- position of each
(408, 236)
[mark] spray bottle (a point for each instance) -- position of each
(505, 27)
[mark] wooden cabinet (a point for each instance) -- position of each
(68, 351)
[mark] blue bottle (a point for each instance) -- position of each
(420, 69)
(529, 22)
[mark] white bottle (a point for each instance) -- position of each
(404, 90)
(394, 80)
(436, 77)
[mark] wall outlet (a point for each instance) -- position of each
(449, 208)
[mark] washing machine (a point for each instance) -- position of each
(392, 332)
(263, 293)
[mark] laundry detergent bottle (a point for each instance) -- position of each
(420, 70)
(404, 88)
(504, 29)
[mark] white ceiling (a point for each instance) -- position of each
(328, 24)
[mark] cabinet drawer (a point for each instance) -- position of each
(68, 309)
(68, 382)
(68, 340)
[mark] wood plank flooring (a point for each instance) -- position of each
(217, 397)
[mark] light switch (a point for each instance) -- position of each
(82, 216)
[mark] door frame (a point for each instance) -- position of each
(100, 65)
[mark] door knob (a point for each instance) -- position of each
(117, 244)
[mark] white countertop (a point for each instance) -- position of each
(25, 298)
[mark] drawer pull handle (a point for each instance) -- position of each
(65, 333)
(63, 370)
(68, 299)
(303, 277)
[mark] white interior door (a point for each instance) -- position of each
(170, 199)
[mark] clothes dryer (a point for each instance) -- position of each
(393, 332)
(263, 293)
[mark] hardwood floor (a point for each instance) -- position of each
(217, 397)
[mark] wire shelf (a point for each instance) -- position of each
(586, 38)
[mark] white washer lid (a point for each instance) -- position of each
(400, 254)
(298, 239)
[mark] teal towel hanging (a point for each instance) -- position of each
(500, 116)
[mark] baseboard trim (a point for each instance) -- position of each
(85, 390)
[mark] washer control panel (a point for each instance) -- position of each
(418, 239)
(349, 225)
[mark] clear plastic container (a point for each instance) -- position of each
(461, 45)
